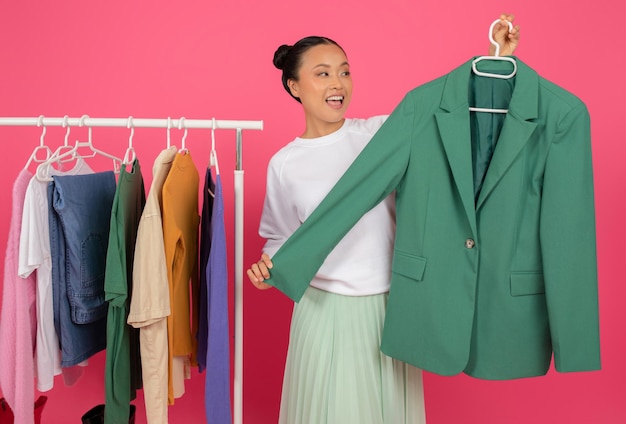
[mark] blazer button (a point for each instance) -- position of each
(469, 243)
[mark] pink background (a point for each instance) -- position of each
(199, 59)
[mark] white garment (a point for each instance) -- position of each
(299, 176)
(34, 254)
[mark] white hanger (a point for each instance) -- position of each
(213, 154)
(117, 162)
(44, 168)
(42, 146)
(66, 144)
(496, 56)
(130, 155)
(181, 125)
(492, 75)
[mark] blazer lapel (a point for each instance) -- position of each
(454, 129)
(455, 135)
(516, 130)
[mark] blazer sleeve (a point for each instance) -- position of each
(568, 243)
(373, 175)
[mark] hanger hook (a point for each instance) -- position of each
(66, 123)
(130, 156)
(169, 126)
(213, 134)
(132, 131)
(491, 33)
(181, 125)
(212, 155)
(82, 123)
(43, 133)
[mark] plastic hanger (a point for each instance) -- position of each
(496, 56)
(492, 75)
(181, 125)
(66, 144)
(117, 162)
(130, 155)
(43, 168)
(213, 154)
(42, 146)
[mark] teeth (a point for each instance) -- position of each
(335, 98)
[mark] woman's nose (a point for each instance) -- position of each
(336, 82)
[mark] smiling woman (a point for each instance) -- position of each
(317, 74)
(335, 371)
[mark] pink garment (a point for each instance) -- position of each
(18, 318)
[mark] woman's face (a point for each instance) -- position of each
(324, 87)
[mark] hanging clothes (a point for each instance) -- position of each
(34, 256)
(17, 319)
(150, 298)
(79, 231)
(180, 237)
(123, 364)
(217, 382)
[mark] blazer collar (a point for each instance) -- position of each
(525, 94)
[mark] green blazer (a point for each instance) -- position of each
(494, 265)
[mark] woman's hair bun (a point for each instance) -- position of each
(280, 54)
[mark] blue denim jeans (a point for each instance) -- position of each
(80, 218)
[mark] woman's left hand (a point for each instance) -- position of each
(259, 271)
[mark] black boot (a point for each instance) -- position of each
(39, 404)
(94, 416)
(131, 416)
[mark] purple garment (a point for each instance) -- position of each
(217, 383)
(205, 248)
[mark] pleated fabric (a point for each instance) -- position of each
(335, 372)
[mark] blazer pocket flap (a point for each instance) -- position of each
(408, 265)
(525, 283)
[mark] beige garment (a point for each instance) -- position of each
(150, 298)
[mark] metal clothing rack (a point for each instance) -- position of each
(183, 123)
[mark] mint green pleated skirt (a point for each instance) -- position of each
(335, 372)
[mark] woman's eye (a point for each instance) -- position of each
(323, 74)
(346, 73)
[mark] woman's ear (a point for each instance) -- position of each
(293, 87)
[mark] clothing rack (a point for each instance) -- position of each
(183, 123)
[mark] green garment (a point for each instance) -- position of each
(123, 363)
(488, 282)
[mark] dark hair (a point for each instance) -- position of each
(289, 58)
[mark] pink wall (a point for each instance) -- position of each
(201, 59)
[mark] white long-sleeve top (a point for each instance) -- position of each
(299, 176)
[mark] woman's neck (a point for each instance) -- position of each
(321, 129)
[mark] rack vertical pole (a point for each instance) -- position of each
(238, 377)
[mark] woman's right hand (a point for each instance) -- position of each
(259, 271)
(508, 41)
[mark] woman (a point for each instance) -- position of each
(335, 372)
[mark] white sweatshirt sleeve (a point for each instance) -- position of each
(280, 218)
